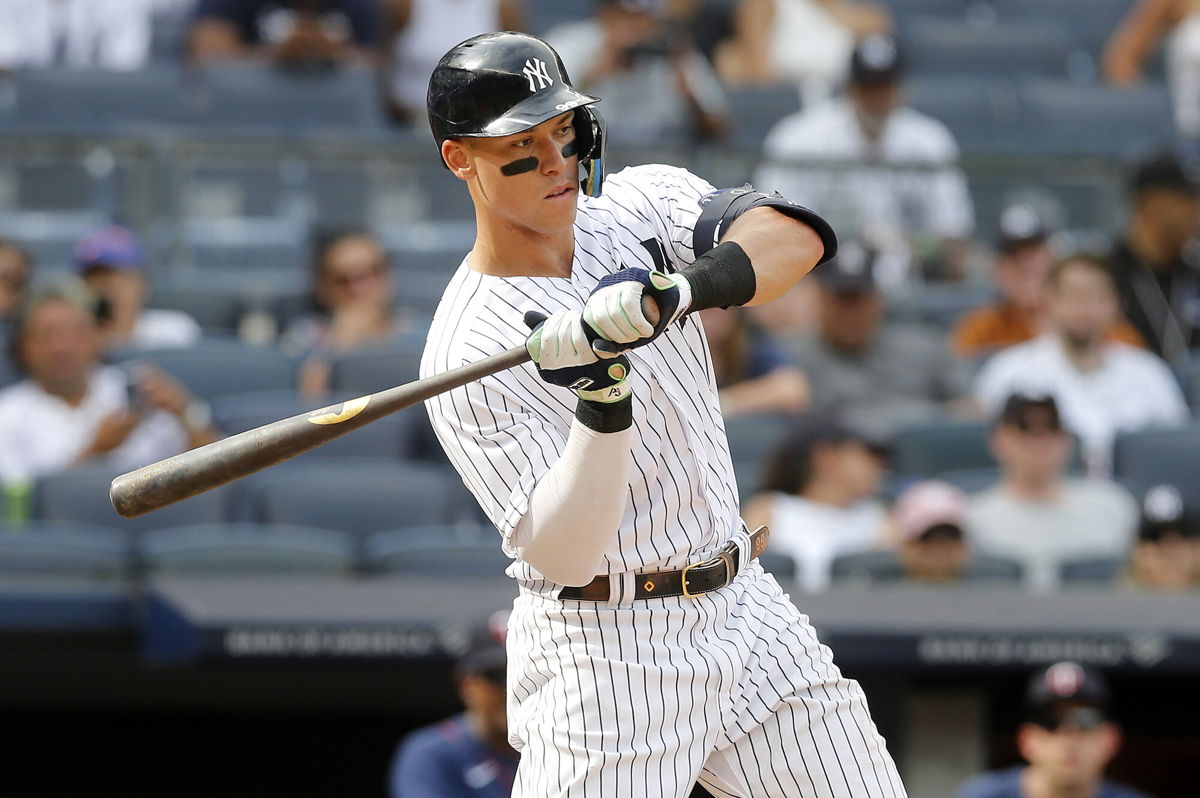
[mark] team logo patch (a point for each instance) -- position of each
(535, 68)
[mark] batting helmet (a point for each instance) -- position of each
(498, 84)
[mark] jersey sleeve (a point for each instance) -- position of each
(668, 199)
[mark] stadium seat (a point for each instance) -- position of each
(217, 313)
(442, 550)
(781, 566)
(8, 370)
(936, 46)
(927, 450)
(235, 244)
(1153, 456)
(753, 437)
(238, 412)
(754, 110)
(545, 14)
(63, 548)
(749, 478)
(981, 111)
(253, 98)
(1059, 116)
(214, 367)
(371, 370)
(257, 549)
(98, 101)
(1089, 22)
(1188, 373)
(940, 305)
(1093, 571)
(881, 567)
(50, 237)
(359, 496)
(81, 496)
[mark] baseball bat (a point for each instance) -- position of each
(221, 462)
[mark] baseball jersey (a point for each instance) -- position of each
(504, 432)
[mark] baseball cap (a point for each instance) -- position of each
(1055, 693)
(1164, 171)
(1020, 225)
(112, 246)
(1017, 408)
(1163, 510)
(927, 505)
(852, 270)
(875, 61)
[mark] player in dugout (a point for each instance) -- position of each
(647, 648)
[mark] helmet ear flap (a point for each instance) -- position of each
(589, 133)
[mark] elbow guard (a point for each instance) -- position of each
(719, 209)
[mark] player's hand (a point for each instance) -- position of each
(616, 312)
(562, 351)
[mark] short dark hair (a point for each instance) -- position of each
(1080, 260)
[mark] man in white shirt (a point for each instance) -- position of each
(1102, 387)
(70, 409)
(1037, 514)
(873, 164)
(110, 261)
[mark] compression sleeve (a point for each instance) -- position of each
(576, 508)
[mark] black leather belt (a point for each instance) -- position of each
(691, 580)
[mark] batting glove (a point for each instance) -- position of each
(562, 351)
(614, 309)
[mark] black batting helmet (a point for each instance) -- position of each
(498, 84)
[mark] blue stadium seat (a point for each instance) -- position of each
(940, 305)
(370, 370)
(50, 236)
(359, 496)
(444, 550)
(94, 100)
(935, 46)
(927, 450)
(216, 312)
(236, 244)
(749, 476)
(1090, 571)
(545, 14)
(1089, 22)
(259, 549)
(753, 437)
(981, 111)
(782, 566)
(81, 496)
(1058, 116)
(214, 367)
(882, 567)
(253, 98)
(63, 548)
(1153, 456)
(754, 110)
(238, 412)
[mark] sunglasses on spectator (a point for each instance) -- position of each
(1080, 718)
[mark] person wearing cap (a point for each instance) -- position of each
(71, 409)
(1023, 262)
(1155, 261)
(1166, 555)
(467, 755)
(1037, 514)
(843, 156)
(1068, 739)
(657, 87)
(818, 496)
(111, 261)
(1102, 387)
(877, 376)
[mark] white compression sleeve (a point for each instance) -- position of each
(576, 508)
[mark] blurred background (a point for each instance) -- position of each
(975, 434)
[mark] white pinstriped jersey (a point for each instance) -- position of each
(504, 432)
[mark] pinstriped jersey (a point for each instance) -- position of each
(504, 432)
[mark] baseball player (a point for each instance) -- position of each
(648, 650)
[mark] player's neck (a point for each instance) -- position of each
(503, 249)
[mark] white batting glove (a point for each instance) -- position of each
(615, 312)
(561, 342)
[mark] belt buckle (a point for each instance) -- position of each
(722, 556)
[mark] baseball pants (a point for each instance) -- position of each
(639, 698)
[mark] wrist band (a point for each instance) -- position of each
(721, 277)
(606, 416)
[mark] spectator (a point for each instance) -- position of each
(806, 42)
(851, 151)
(1036, 514)
(818, 497)
(877, 377)
(656, 86)
(303, 34)
(1156, 268)
(352, 307)
(1102, 387)
(753, 375)
(1023, 265)
(14, 277)
(1167, 553)
(81, 34)
(1068, 739)
(1138, 34)
(71, 409)
(418, 32)
(111, 262)
(468, 755)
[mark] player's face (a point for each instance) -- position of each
(59, 345)
(531, 179)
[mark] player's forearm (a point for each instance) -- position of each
(576, 508)
(781, 250)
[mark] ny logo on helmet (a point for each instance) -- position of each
(536, 68)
